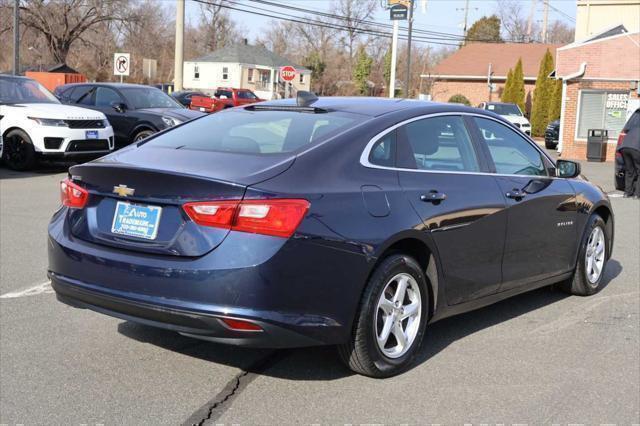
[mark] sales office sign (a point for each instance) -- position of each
(617, 101)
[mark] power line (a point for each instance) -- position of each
(308, 21)
(567, 16)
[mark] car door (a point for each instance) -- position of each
(122, 122)
(443, 175)
(541, 230)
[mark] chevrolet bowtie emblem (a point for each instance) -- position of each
(123, 191)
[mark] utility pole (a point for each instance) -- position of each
(179, 52)
(466, 17)
(545, 20)
(394, 48)
(530, 20)
(407, 83)
(16, 37)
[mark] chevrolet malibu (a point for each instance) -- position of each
(353, 222)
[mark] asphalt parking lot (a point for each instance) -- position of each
(542, 357)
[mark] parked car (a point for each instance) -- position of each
(552, 134)
(631, 129)
(184, 96)
(511, 112)
(340, 221)
(224, 98)
(135, 111)
(35, 125)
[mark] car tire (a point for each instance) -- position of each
(143, 134)
(363, 353)
(18, 152)
(593, 253)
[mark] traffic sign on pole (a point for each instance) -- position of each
(288, 73)
(121, 64)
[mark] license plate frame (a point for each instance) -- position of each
(91, 134)
(133, 220)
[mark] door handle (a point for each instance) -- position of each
(516, 194)
(434, 197)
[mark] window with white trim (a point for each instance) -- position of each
(602, 110)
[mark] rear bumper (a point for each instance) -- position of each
(301, 291)
(197, 324)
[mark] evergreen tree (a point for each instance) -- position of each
(459, 99)
(556, 101)
(485, 29)
(386, 72)
(542, 96)
(506, 91)
(362, 70)
(518, 86)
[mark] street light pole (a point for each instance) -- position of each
(394, 48)
(16, 37)
(407, 83)
(179, 49)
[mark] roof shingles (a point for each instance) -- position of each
(473, 59)
(247, 54)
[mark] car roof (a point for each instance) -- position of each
(21, 77)
(113, 85)
(500, 103)
(375, 106)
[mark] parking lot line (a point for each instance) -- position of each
(44, 288)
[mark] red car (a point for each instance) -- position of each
(223, 98)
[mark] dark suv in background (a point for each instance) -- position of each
(630, 130)
(552, 134)
(134, 111)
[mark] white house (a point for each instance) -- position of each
(243, 66)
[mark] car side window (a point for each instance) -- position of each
(76, 93)
(106, 96)
(86, 98)
(510, 152)
(439, 143)
(383, 152)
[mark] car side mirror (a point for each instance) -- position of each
(118, 106)
(567, 169)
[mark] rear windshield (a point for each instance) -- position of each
(256, 132)
(505, 109)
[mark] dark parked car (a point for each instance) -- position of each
(184, 96)
(552, 135)
(134, 111)
(347, 221)
(631, 129)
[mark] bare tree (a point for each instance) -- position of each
(514, 24)
(216, 27)
(560, 33)
(64, 22)
(355, 13)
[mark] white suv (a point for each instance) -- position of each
(33, 124)
(511, 112)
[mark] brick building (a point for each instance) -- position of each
(600, 78)
(466, 71)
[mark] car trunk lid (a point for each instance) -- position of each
(134, 207)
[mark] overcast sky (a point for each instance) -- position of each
(441, 15)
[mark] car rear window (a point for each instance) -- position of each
(256, 132)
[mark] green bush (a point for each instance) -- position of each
(459, 99)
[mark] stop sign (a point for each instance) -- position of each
(288, 73)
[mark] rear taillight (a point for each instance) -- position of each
(73, 195)
(240, 325)
(620, 140)
(279, 217)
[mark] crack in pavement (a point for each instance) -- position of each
(217, 406)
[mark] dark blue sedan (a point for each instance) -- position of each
(336, 221)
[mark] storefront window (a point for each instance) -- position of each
(602, 110)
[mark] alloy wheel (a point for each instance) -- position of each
(595, 254)
(398, 314)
